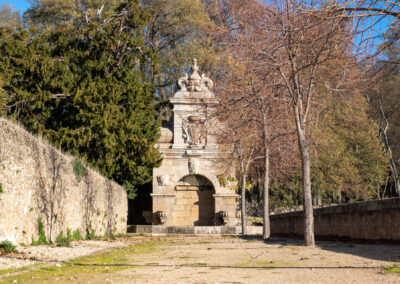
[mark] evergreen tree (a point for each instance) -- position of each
(82, 87)
(175, 30)
(67, 12)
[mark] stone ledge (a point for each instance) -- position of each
(194, 230)
(361, 206)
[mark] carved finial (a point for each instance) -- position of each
(194, 82)
(195, 68)
(195, 72)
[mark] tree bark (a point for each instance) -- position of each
(307, 197)
(385, 141)
(266, 224)
(243, 205)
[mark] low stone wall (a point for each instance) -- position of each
(38, 183)
(371, 221)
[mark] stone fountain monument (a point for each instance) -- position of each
(186, 189)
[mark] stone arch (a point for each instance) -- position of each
(194, 201)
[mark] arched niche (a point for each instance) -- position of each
(194, 202)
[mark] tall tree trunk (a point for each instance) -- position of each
(383, 137)
(243, 205)
(395, 176)
(266, 224)
(307, 197)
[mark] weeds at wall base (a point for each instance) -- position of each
(42, 236)
(7, 247)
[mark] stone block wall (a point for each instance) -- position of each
(38, 182)
(372, 221)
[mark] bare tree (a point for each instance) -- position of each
(249, 85)
(288, 48)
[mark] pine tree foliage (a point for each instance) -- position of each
(175, 30)
(83, 87)
(63, 12)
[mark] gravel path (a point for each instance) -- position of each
(185, 259)
(236, 260)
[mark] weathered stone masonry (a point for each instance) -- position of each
(38, 182)
(186, 190)
(373, 221)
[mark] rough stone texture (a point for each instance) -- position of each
(38, 182)
(192, 160)
(375, 221)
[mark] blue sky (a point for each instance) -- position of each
(20, 5)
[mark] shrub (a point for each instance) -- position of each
(130, 189)
(63, 241)
(77, 235)
(78, 169)
(42, 236)
(89, 234)
(8, 247)
(1, 188)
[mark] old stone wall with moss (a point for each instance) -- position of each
(39, 184)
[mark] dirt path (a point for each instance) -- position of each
(226, 260)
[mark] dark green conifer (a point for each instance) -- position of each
(83, 87)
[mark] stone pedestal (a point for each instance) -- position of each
(225, 209)
(163, 203)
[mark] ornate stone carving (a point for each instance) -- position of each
(193, 166)
(163, 180)
(162, 217)
(183, 82)
(195, 82)
(193, 131)
(224, 217)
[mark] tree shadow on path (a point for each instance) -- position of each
(381, 252)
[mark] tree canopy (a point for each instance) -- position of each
(82, 86)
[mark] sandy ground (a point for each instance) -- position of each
(234, 260)
(183, 259)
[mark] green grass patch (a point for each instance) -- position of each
(195, 264)
(65, 272)
(392, 269)
(13, 270)
(89, 268)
